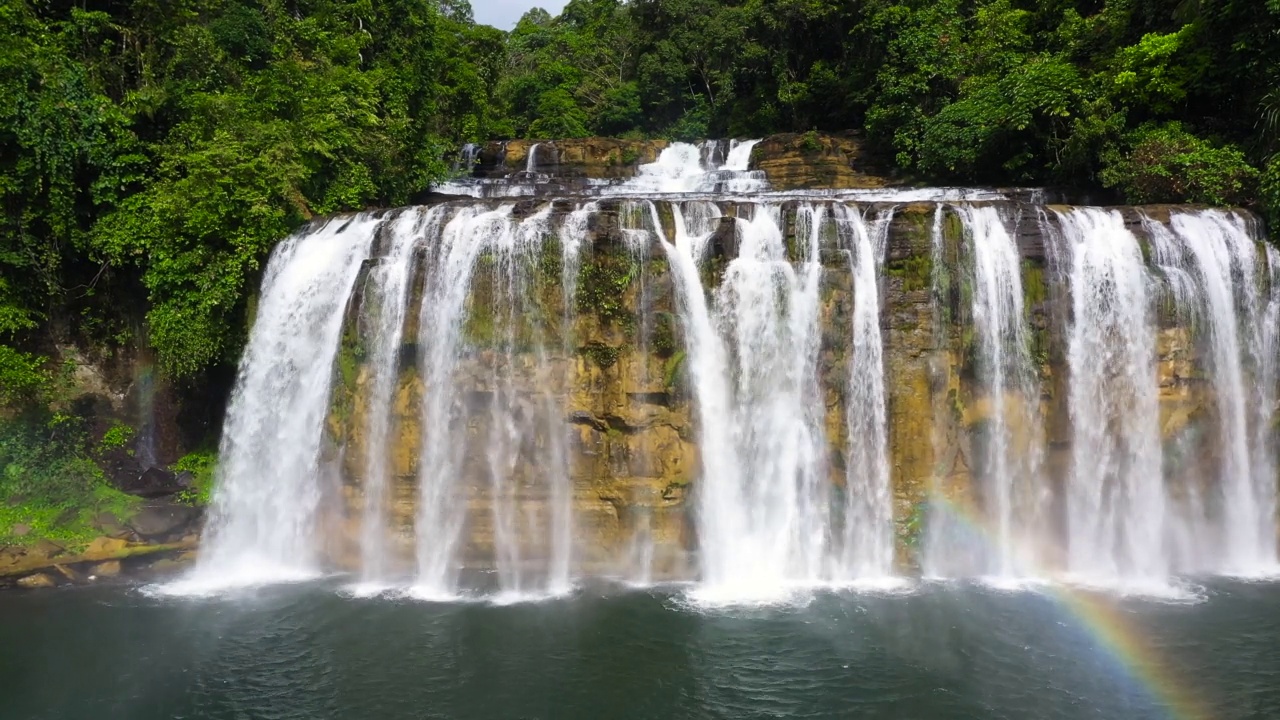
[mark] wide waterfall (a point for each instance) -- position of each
(683, 374)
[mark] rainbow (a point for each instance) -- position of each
(1131, 654)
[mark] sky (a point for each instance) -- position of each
(504, 14)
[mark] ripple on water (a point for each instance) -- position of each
(943, 650)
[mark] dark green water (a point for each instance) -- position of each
(307, 652)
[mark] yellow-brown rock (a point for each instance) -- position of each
(36, 581)
(106, 546)
(110, 568)
(815, 160)
(594, 157)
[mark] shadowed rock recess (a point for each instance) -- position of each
(663, 361)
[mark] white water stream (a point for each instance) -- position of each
(778, 501)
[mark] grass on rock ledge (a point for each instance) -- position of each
(50, 487)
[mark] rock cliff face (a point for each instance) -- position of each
(619, 379)
(789, 161)
(800, 161)
(567, 159)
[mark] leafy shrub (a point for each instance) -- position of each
(810, 144)
(1165, 163)
(201, 464)
(1269, 191)
(116, 437)
(22, 375)
(49, 484)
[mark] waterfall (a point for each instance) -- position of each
(1010, 439)
(1116, 504)
(531, 162)
(510, 421)
(687, 168)
(684, 375)
(264, 518)
(639, 227)
(465, 162)
(1221, 257)
(868, 526)
(766, 521)
(386, 302)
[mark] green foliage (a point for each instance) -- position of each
(151, 154)
(603, 280)
(1148, 73)
(50, 484)
(202, 465)
(1269, 190)
(810, 144)
(22, 376)
(604, 356)
(115, 438)
(161, 150)
(992, 91)
(1168, 164)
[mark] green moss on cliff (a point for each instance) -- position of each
(201, 464)
(911, 529)
(50, 486)
(915, 272)
(604, 278)
(662, 335)
(479, 328)
(604, 356)
(672, 370)
(1033, 287)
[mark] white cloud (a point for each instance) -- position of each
(504, 14)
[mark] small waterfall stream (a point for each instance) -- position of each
(265, 515)
(1116, 500)
(387, 293)
(867, 549)
(686, 376)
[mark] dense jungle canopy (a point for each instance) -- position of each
(152, 151)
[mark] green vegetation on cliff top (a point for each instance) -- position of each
(152, 153)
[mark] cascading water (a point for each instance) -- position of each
(531, 162)
(1222, 258)
(264, 519)
(425, 403)
(386, 303)
(1116, 506)
(751, 359)
(686, 168)
(767, 520)
(511, 421)
(867, 549)
(1008, 439)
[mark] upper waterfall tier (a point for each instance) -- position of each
(779, 166)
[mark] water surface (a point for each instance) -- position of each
(938, 651)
